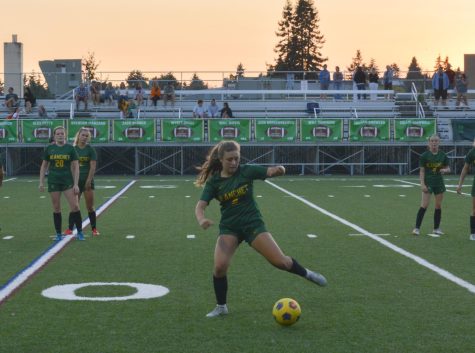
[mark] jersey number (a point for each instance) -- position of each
(59, 163)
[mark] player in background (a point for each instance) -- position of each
(61, 160)
(1, 177)
(87, 168)
(232, 185)
(432, 165)
(469, 161)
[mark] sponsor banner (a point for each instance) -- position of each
(183, 130)
(369, 130)
(39, 131)
(413, 129)
(99, 129)
(276, 130)
(8, 131)
(321, 130)
(463, 129)
(132, 131)
(229, 129)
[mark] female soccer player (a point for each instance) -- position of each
(469, 161)
(232, 185)
(87, 167)
(62, 161)
(432, 164)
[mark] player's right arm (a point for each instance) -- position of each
(43, 169)
(422, 174)
(200, 208)
(462, 177)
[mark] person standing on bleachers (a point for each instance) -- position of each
(109, 94)
(360, 80)
(213, 109)
(337, 80)
(461, 86)
(324, 78)
(139, 94)
(440, 84)
(81, 95)
(388, 79)
(373, 79)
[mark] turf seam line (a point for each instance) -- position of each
(22, 276)
(440, 271)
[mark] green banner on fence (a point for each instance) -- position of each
(183, 130)
(39, 131)
(99, 129)
(276, 130)
(368, 130)
(321, 130)
(229, 129)
(133, 131)
(413, 129)
(8, 131)
(463, 129)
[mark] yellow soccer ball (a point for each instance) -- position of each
(286, 311)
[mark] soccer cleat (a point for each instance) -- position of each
(218, 310)
(68, 232)
(58, 237)
(438, 231)
(80, 236)
(95, 232)
(472, 236)
(317, 278)
(416, 231)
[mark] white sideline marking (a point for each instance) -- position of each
(367, 195)
(440, 271)
(11, 179)
(311, 235)
(190, 236)
(6, 197)
(361, 235)
(151, 197)
(187, 196)
(8, 237)
(417, 184)
(42, 260)
(130, 236)
(331, 196)
(433, 235)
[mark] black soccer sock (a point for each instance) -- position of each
(472, 224)
(77, 219)
(437, 217)
(92, 218)
(57, 219)
(298, 269)
(220, 289)
(420, 216)
(71, 221)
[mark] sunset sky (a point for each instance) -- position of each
(215, 35)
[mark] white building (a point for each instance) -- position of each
(13, 65)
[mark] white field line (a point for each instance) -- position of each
(417, 184)
(440, 271)
(11, 179)
(22, 276)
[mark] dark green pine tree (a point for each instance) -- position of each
(285, 34)
(307, 40)
(196, 83)
(414, 74)
(357, 61)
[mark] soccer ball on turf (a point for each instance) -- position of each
(286, 311)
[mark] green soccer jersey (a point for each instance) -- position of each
(235, 194)
(432, 164)
(85, 156)
(470, 160)
(60, 158)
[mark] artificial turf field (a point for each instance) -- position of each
(388, 290)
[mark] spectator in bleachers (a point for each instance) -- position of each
(199, 111)
(461, 86)
(324, 78)
(95, 89)
(155, 93)
(213, 109)
(139, 94)
(30, 99)
(169, 94)
(373, 79)
(109, 93)
(360, 80)
(123, 102)
(11, 100)
(440, 84)
(81, 95)
(226, 112)
(388, 79)
(42, 113)
(14, 115)
(337, 80)
(451, 76)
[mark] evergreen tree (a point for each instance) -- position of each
(196, 83)
(300, 44)
(240, 71)
(438, 62)
(90, 66)
(372, 63)
(136, 76)
(284, 32)
(396, 70)
(39, 89)
(169, 77)
(357, 61)
(414, 74)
